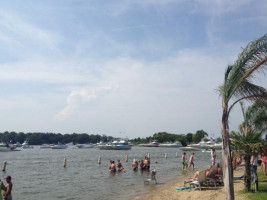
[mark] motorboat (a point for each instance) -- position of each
(116, 145)
(46, 146)
(25, 145)
(190, 148)
(85, 146)
(60, 146)
(208, 144)
(154, 143)
(171, 145)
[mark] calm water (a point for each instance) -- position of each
(38, 173)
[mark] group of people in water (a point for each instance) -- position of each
(143, 164)
(116, 167)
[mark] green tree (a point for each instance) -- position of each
(237, 86)
(249, 139)
(199, 135)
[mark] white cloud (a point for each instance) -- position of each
(75, 97)
(14, 28)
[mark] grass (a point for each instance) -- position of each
(262, 193)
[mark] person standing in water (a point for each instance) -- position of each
(191, 161)
(184, 161)
(7, 189)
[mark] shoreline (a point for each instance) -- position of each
(168, 191)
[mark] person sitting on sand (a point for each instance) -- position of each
(119, 166)
(112, 167)
(191, 161)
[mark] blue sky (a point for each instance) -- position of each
(122, 68)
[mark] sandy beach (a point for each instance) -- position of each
(168, 192)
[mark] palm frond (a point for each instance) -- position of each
(238, 76)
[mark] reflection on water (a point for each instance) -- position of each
(39, 173)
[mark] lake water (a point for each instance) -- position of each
(39, 173)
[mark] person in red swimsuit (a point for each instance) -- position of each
(264, 162)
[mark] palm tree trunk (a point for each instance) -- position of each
(247, 177)
(226, 158)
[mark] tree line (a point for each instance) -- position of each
(83, 138)
(52, 138)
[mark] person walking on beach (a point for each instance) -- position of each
(213, 156)
(7, 189)
(184, 161)
(191, 161)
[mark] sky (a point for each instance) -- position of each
(127, 68)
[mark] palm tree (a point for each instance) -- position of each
(249, 139)
(237, 86)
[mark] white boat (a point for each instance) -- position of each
(208, 144)
(171, 145)
(190, 148)
(116, 145)
(150, 144)
(46, 146)
(25, 145)
(60, 146)
(85, 146)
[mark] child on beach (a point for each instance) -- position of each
(184, 164)
(191, 161)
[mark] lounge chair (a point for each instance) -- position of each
(198, 182)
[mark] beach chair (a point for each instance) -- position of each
(198, 182)
(210, 179)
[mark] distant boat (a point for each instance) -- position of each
(171, 145)
(209, 144)
(25, 145)
(60, 146)
(116, 145)
(154, 143)
(46, 146)
(190, 148)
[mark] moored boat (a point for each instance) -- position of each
(190, 148)
(150, 144)
(171, 145)
(46, 146)
(60, 146)
(116, 145)
(25, 145)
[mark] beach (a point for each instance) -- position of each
(168, 192)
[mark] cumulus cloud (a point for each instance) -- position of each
(75, 97)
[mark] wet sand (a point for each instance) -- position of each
(168, 192)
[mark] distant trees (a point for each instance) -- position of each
(163, 137)
(52, 138)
